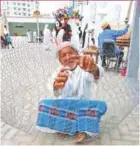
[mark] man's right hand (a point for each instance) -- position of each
(61, 79)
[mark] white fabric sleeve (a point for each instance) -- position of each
(101, 69)
(90, 77)
(50, 85)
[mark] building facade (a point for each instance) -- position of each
(19, 8)
(18, 26)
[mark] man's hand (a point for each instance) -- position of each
(86, 62)
(61, 79)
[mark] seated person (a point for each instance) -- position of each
(73, 84)
(108, 33)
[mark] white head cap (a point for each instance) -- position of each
(66, 44)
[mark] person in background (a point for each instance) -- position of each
(67, 30)
(41, 35)
(3, 40)
(53, 35)
(92, 37)
(59, 24)
(9, 41)
(80, 33)
(34, 36)
(5, 30)
(84, 35)
(111, 34)
(29, 38)
(47, 38)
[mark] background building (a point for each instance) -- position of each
(19, 8)
(18, 26)
(113, 11)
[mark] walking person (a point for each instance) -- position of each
(29, 37)
(9, 41)
(47, 38)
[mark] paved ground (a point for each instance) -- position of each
(126, 133)
(26, 71)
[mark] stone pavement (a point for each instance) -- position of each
(26, 71)
(126, 133)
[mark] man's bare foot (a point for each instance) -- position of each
(80, 137)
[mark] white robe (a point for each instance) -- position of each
(80, 84)
(29, 37)
(60, 37)
(47, 38)
(75, 34)
(54, 35)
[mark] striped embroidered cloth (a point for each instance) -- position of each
(71, 115)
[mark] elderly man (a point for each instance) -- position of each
(74, 112)
(108, 33)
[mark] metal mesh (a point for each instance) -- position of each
(25, 73)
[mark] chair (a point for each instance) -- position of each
(108, 52)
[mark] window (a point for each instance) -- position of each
(29, 14)
(15, 13)
(15, 8)
(23, 4)
(28, 5)
(18, 8)
(19, 4)
(24, 9)
(19, 14)
(19, 25)
(24, 14)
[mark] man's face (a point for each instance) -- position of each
(61, 18)
(65, 57)
(66, 21)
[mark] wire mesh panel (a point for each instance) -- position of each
(26, 71)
